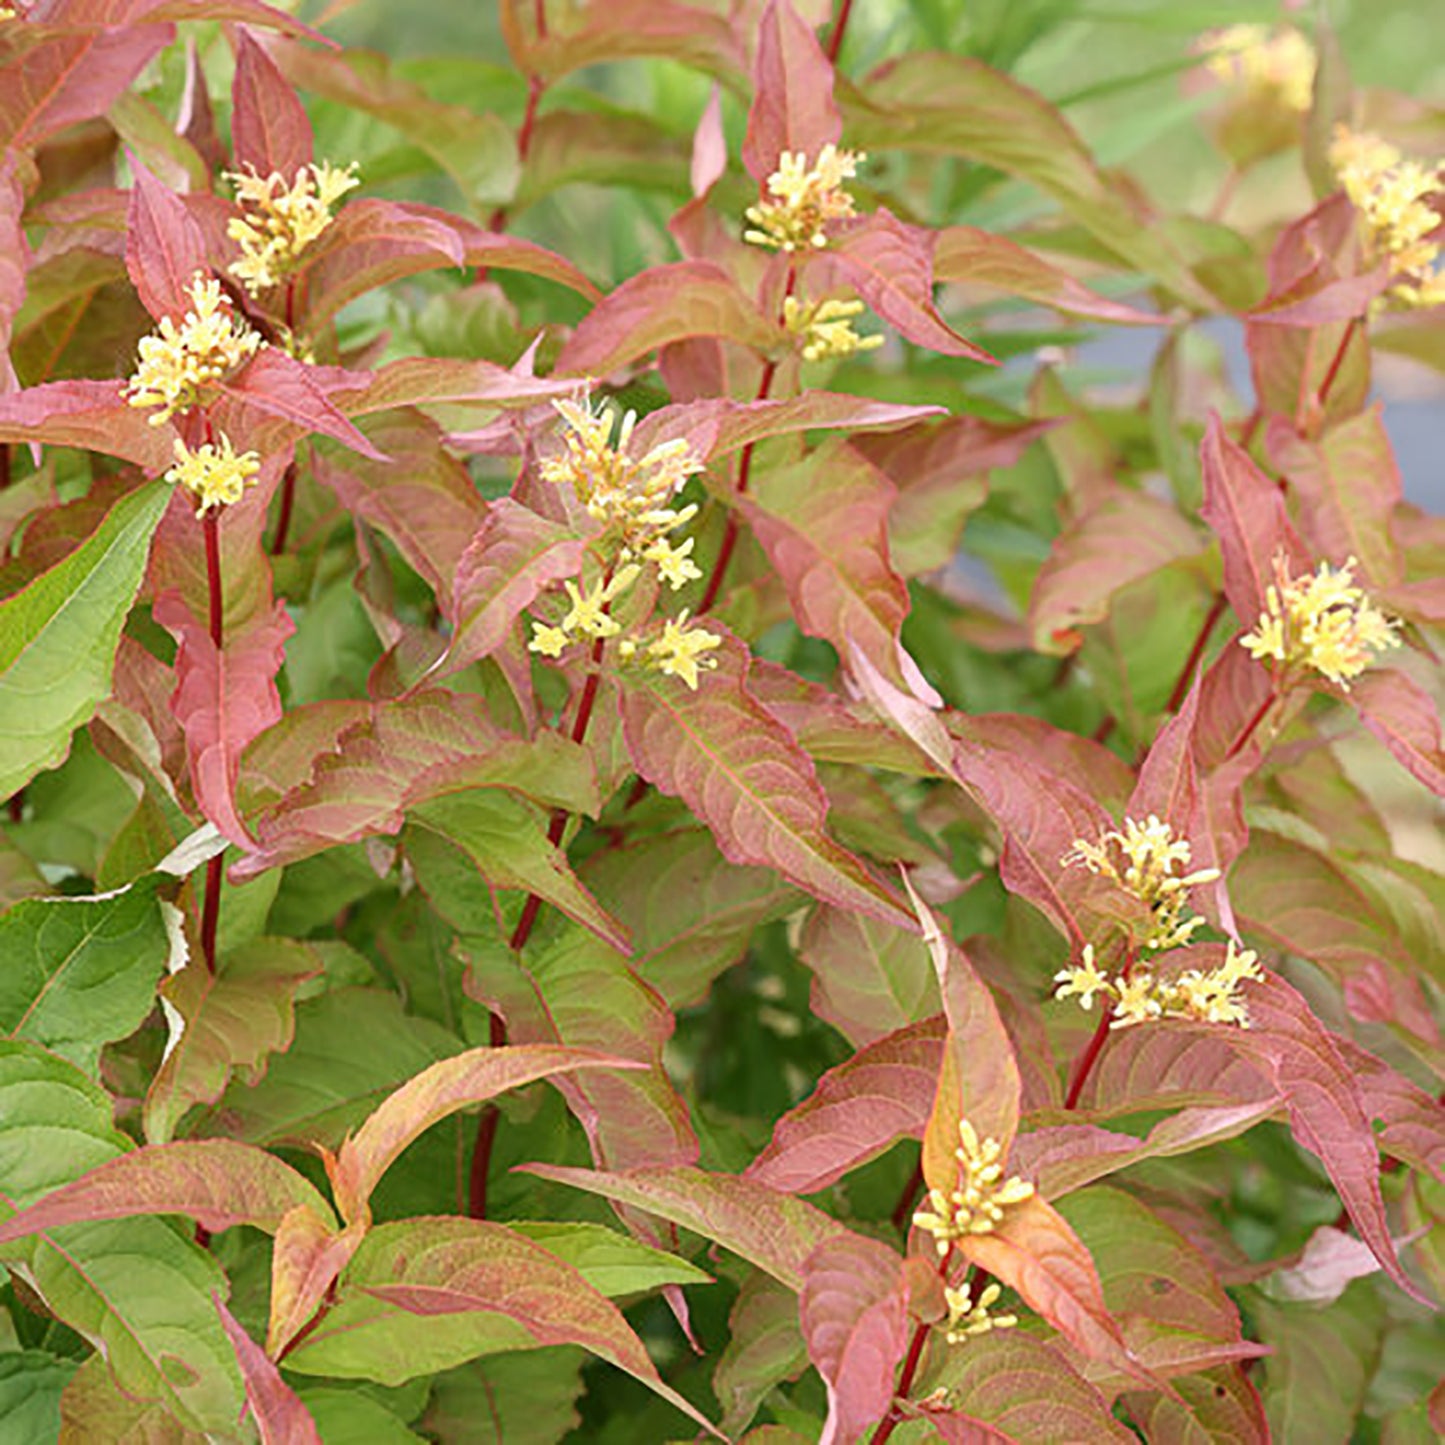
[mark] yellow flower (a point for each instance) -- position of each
(216, 474)
(678, 651)
(807, 199)
(674, 564)
(1085, 981)
(977, 1204)
(549, 641)
(966, 1318)
(827, 328)
(1135, 1000)
(179, 365)
(1144, 860)
(1277, 66)
(1394, 198)
(1319, 620)
(278, 222)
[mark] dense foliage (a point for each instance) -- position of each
(637, 808)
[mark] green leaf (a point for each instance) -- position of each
(81, 972)
(352, 1048)
(519, 1398)
(31, 1383)
(613, 1264)
(352, 1417)
(58, 637)
(135, 1288)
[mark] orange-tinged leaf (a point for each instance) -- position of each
(978, 1079)
(743, 775)
(468, 1078)
(1033, 1251)
(306, 1258)
(231, 1019)
(164, 247)
(217, 1182)
(854, 1312)
(1405, 718)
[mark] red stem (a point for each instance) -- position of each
(1186, 673)
(745, 468)
(1090, 1056)
(891, 1421)
(903, 1210)
(835, 39)
(535, 86)
(1323, 394)
(288, 498)
(489, 1118)
(1248, 730)
(211, 909)
(4, 465)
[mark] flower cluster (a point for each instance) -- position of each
(1147, 861)
(976, 1205)
(179, 365)
(1320, 620)
(629, 496)
(806, 200)
(279, 221)
(1395, 198)
(1204, 997)
(1276, 67)
(826, 328)
(966, 1318)
(216, 474)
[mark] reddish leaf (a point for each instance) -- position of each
(1246, 512)
(775, 1232)
(1026, 1390)
(1349, 489)
(979, 1077)
(15, 256)
(709, 147)
(823, 525)
(764, 1348)
(512, 557)
(660, 306)
(1404, 717)
(1121, 539)
(92, 415)
(1326, 1108)
(164, 247)
(441, 1268)
(1168, 783)
(280, 386)
(869, 978)
(62, 78)
(1035, 1252)
(422, 498)
(854, 1310)
(224, 698)
(792, 107)
(1414, 1122)
(363, 781)
(306, 1257)
(859, 1109)
(281, 1418)
(743, 775)
(270, 133)
(979, 258)
(957, 1428)
(369, 244)
(217, 1182)
(1062, 1158)
(890, 265)
(717, 426)
(434, 1094)
(253, 12)
(227, 1020)
(491, 251)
